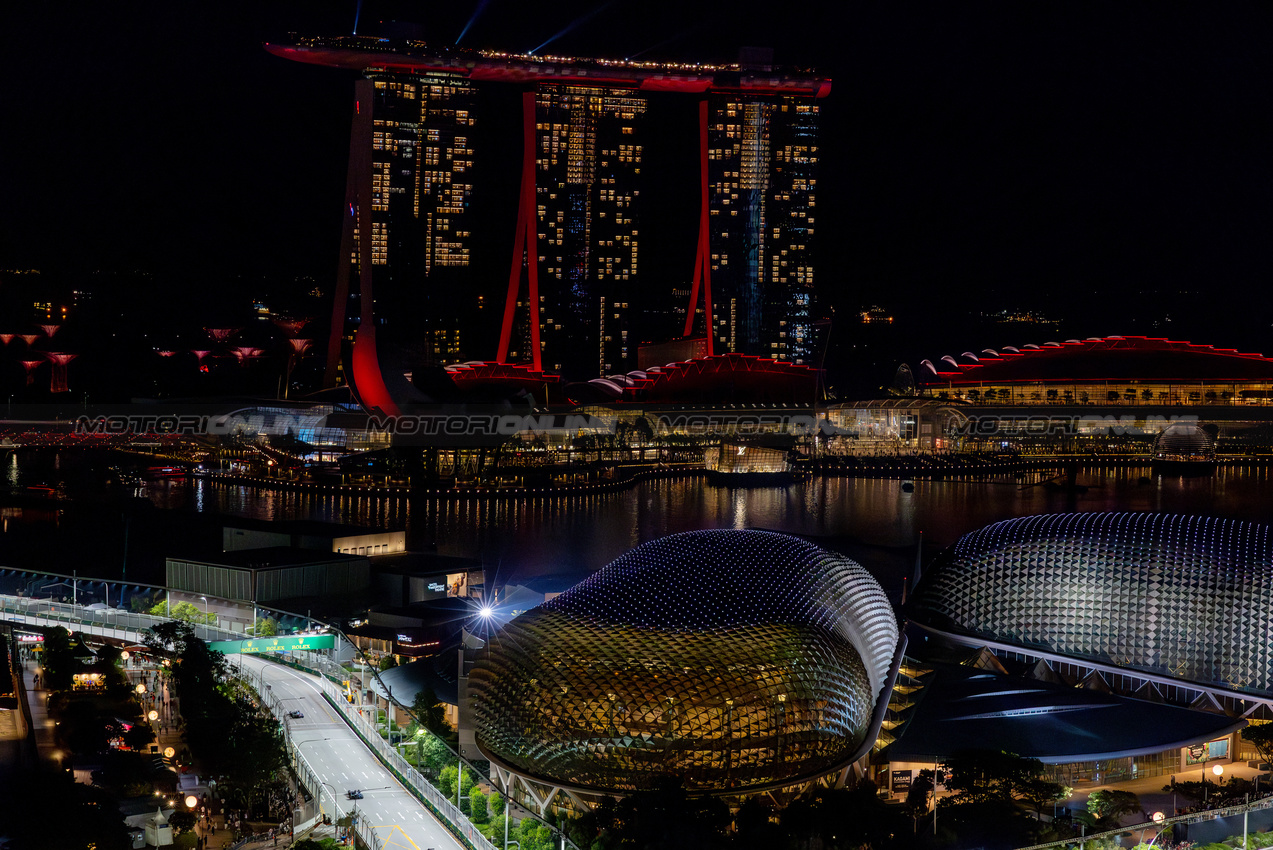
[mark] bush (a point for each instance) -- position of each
(479, 813)
(446, 781)
(496, 803)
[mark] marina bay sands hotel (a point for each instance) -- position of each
(579, 297)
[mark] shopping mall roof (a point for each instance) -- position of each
(1096, 359)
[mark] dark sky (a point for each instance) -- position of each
(1109, 163)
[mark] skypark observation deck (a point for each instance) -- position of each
(359, 53)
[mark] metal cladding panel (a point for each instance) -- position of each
(734, 659)
(332, 579)
(1184, 596)
(209, 579)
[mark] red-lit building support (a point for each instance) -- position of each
(525, 244)
(703, 259)
(364, 375)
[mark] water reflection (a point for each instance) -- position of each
(546, 535)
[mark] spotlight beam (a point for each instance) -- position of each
(575, 24)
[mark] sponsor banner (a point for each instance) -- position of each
(274, 644)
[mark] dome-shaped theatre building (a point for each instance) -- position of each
(738, 661)
(1111, 645)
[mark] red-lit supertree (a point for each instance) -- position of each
(222, 334)
(299, 347)
(49, 330)
(164, 353)
(244, 353)
(290, 326)
(7, 338)
(31, 366)
(29, 339)
(59, 361)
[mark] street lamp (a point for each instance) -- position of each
(206, 618)
(1218, 770)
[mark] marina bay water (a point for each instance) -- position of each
(875, 521)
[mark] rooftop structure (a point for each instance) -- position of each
(738, 661)
(358, 53)
(1101, 370)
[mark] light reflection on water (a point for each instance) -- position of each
(872, 519)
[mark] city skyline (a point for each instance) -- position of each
(1129, 134)
(416, 164)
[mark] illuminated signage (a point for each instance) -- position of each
(30, 638)
(437, 587)
(274, 644)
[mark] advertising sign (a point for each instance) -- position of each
(274, 644)
(901, 781)
(1203, 753)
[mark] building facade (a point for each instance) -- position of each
(589, 149)
(738, 661)
(763, 155)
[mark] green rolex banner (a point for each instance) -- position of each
(274, 644)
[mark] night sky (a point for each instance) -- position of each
(1108, 165)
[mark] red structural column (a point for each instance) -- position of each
(703, 258)
(366, 378)
(525, 243)
(340, 302)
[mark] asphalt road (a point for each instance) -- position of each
(343, 762)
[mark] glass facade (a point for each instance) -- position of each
(1182, 596)
(762, 173)
(733, 659)
(589, 149)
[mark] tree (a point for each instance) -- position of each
(1110, 805)
(58, 659)
(918, 795)
(446, 781)
(46, 809)
(1039, 792)
(478, 811)
(388, 662)
(433, 755)
(187, 612)
(1260, 736)
(981, 776)
(662, 817)
(265, 627)
(496, 802)
(840, 817)
(431, 713)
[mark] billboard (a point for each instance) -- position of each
(275, 644)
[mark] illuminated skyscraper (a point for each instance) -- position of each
(588, 163)
(764, 154)
(585, 132)
(421, 171)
